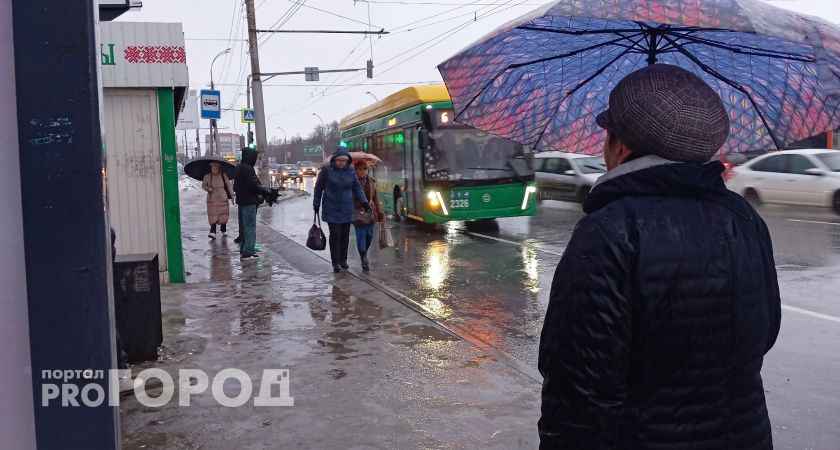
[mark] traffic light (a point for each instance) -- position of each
(252, 145)
(250, 137)
(370, 68)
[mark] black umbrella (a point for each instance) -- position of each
(199, 167)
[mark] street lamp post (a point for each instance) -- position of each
(214, 133)
(285, 152)
(324, 136)
(371, 94)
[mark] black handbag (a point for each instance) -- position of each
(316, 239)
(363, 217)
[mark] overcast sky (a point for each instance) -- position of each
(423, 34)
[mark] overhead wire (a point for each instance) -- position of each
(236, 23)
(342, 81)
(243, 59)
(421, 3)
(298, 4)
(434, 16)
(393, 83)
(337, 15)
(439, 38)
(346, 76)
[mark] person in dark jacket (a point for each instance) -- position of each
(666, 299)
(335, 187)
(248, 190)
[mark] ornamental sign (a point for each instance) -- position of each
(142, 54)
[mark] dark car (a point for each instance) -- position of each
(307, 168)
(288, 172)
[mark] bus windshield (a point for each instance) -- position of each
(461, 153)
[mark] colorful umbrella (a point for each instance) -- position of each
(366, 158)
(541, 79)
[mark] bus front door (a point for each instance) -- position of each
(414, 173)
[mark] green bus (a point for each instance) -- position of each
(435, 170)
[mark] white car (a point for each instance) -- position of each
(567, 176)
(795, 177)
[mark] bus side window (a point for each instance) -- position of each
(538, 164)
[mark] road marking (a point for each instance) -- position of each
(518, 244)
(811, 313)
(814, 221)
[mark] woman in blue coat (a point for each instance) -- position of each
(335, 188)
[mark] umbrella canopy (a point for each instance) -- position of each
(199, 167)
(367, 158)
(542, 79)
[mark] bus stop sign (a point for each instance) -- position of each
(211, 104)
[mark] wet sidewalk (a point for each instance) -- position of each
(365, 371)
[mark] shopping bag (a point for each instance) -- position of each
(385, 238)
(363, 217)
(316, 239)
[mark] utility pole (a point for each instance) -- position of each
(256, 88)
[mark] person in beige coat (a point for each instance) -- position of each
(219, 193)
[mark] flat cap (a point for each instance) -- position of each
(667, 111)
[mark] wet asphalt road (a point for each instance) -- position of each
(492, 286)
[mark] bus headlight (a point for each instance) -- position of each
(436, 201)
(433, 201)
(528, 192)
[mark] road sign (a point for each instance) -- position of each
(248, 115)
(188, 118)
(211, 104)
(312, 150)
(312, 74)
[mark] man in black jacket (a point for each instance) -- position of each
(666, 298)
(249, 192)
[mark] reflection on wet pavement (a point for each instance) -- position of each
(494, 284)
(499, 285)
(360, 362)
